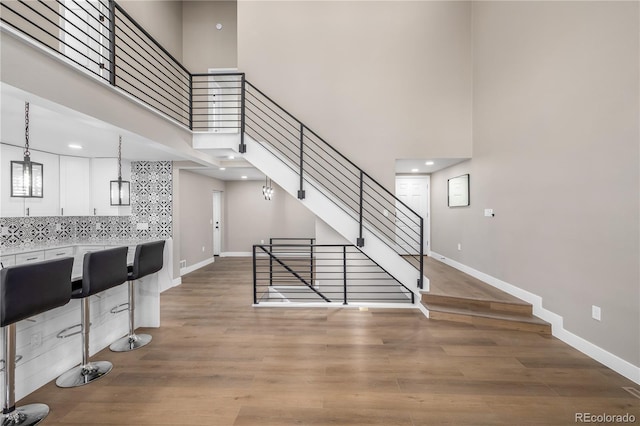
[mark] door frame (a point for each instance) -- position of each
(426, 179)
(217, 221)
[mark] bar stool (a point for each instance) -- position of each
(101, 271)
(25, 291)
(147, 260)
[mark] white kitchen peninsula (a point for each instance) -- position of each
(49, 343)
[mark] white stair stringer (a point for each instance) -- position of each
(328, 209)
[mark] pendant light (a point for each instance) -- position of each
(120, 190)
(267, 189)
(26, 175)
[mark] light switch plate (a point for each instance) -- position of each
(142, 226)
(488, 212)
(596, 313)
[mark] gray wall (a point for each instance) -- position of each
(203, 45)
(555, 140)
(194, 198)
(378, 80)
(250, 218)
(161, 19)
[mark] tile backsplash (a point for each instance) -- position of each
(151, 203)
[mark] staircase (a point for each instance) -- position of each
(458, 297)
(304, 165)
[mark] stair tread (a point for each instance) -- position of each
(493, 315)
(515, 301)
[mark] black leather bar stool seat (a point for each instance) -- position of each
(147, 260)
(25, 291)
(101, 271)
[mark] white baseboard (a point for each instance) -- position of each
(195, 266)
(236, 254)
(617, 364)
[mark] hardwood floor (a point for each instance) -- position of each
(218, 361)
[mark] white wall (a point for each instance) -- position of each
(161, 19)
(378, 80)
(204, 46)
(250, 218)
(195, 200)
(556, 148)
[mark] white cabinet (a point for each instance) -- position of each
(58, 253)
(75, 186)
(49, 204)
(8, 260)
(10, 206)
(103, 171)
(33, 256)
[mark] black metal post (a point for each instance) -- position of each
(255, 278)
(243, 146)
(270, 263)
(190, 101)
(344, 274)
(112, 42)
(360, 240)
(311, 261)
(420, 283)
(301, 193)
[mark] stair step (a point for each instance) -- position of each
(515, 307)
(488, 319)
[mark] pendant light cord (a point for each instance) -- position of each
(26, 130)
(120, 158)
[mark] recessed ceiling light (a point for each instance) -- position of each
(223, 168)
(414, 170)
(243, 177)
(231, 157)
(429, 163)
(74, 146)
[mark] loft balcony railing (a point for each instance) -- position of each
(100, 37)
(298, 272)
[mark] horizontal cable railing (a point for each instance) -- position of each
(319, 164)
(102, 38)
(78, 30)
(147, 71)
(217, 102)
(322, 273)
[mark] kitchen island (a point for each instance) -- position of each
(49, 344)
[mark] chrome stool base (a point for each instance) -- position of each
(26, 415)
(84, 374)
(130, 343)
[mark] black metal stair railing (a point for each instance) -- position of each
(333, 273)
(104, 40)
(322, 166)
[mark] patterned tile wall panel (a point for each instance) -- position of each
(25, 232)
(151, 203)
(151, 198)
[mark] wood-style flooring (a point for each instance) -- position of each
(216, 360)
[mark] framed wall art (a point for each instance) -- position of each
(458, 191)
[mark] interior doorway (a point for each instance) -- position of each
(414, 192)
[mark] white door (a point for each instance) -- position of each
(413, 191)
(85, 35)
(217, 225)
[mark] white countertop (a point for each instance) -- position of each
(40, 247)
